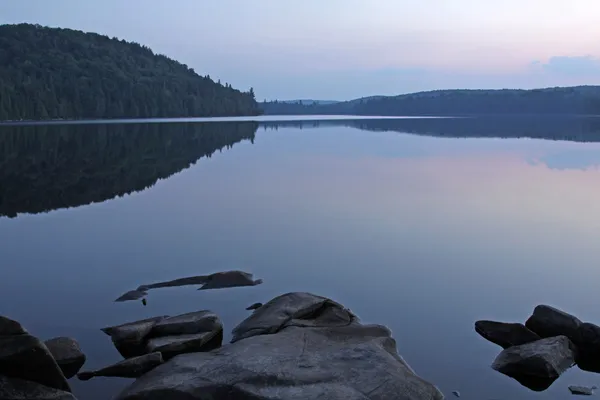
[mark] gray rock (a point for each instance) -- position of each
(548, 322)
(314, 348)
(170, 346)
(229, 279)
(19, 389)
(132, 295)
(67, 353)
(545, 359)
(26, 357)
(456, 393)
(10, 327)
(581, 390)
(588, 341)
(130, 338)
(191, 280)
(254, 306)
(130, 368)
(194, 322)
(505, 334)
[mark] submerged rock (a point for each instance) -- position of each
(548, 322)
(254, 306)
(545, 359)
(130, 338)
(229, 279)
(26, 357)
(581, 390)
(505, 334)
(130, 368)
(19, 389)
(194, 322)
(132, 295)
(297, 346)
(67, 353)
(10, 327)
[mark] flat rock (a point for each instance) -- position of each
(130, 338)
(67, 353)
(549, 322)
(26, 357)
(132, 295)
(505, 334)
(581, 390)
(327, 355)
(190, 323)
(130, 368)
(229, 279)
(544, 359)
(170, 346)
(10, 327)
(19, 389)
(254, 306)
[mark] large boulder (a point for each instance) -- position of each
(130, 338)
(19, 389)
(194, 322)
(588, 346)
(129, 368)
(171, 346)
(67, 353)
(26, 357)
(10, 327)
(505, 334)
(548, 322)
(297, 346)
(545, 359)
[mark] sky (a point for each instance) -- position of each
(344, 49)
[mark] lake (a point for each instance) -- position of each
(423, 225)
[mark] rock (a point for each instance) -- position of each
(505, 334)
(10, 327)
(229, 279)
(302, 347)
(194, 322)
(67, 353)
(254, 306)
(170, 346)
(26, 357)
(192, 280)
(581, 390)
(19, 389)
(130, 368)
(130, 338)
(544, 359)
(456, 393)
(549, 322)
(132, 295)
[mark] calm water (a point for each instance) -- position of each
(421, 225)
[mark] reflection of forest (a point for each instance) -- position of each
(43, 168)
(578, 129)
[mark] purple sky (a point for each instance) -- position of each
(342, 49)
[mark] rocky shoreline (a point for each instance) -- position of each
(296, 346)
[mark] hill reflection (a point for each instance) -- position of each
(44, 168)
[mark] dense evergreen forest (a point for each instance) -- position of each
(580, 100)
(51, 73)
(47, 167)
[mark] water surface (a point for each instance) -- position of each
(422, 225)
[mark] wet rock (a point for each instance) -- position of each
(67, 353)
(191, 280)
(544, 359)
(588, 340)
(19, 389)
(254, 306)
(302, 347)
(456, 393)
(26, 357)
(505, 334)
(170, 346)
(130, 338)
(581, 390)
(10, 327)
(130, 368)
(194, 322)
(229, 279)
(548, 322)
(132, 295)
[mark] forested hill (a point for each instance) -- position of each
(562, 100)
(48, 73)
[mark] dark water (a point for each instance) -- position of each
(425, 231)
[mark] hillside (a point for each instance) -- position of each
(48, 73)
(566, 100)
